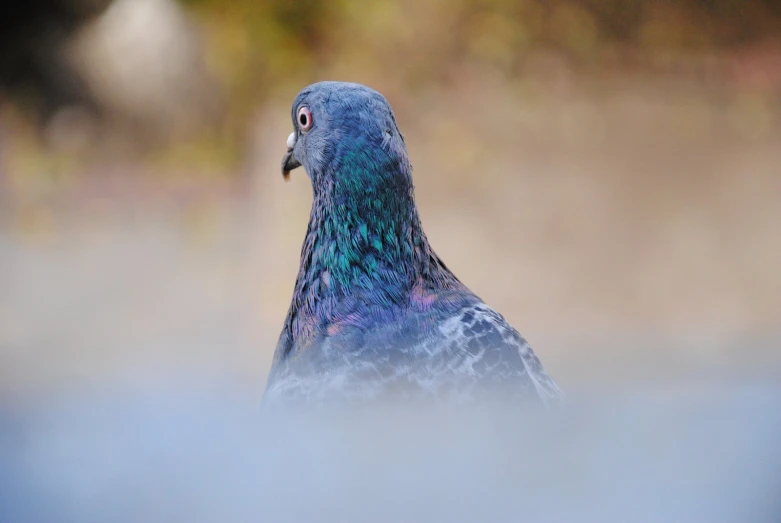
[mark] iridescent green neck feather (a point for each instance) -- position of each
(365, 254)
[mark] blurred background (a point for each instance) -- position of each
(605, 173)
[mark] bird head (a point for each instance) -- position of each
(343, 130)
(364, 236)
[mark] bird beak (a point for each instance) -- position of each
(289, 162)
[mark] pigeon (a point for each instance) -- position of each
(375, 313)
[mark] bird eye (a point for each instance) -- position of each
(305, 118)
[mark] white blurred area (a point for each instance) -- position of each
(142, 63)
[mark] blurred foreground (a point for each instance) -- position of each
(177, 453)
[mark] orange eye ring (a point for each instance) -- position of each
(304, 119)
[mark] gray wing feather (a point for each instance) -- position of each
(458, 354)
(499, 353)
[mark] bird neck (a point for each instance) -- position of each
(365, 244)
(365, 238)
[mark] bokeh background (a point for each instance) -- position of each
(605, 173)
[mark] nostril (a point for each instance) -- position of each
(291, 141)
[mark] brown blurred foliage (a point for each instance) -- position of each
(279, 40)
(257, 48)
(186, 78)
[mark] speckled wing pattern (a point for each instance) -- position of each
(462, 355)
(496, 351)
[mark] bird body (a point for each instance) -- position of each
(375, 312)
